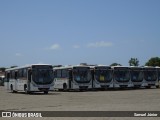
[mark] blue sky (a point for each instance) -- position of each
(75, 31)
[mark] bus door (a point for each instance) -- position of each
(29, 78)
(16, 80)
(70, 78)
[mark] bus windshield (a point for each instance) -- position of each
(150, 75)
(122, 75)
(42, 76)
(82, 75)
(103, 75)
(136, 75)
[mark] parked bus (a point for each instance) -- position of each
(121, 76)
(72, 78)
(30, 78)
(102, 77)
(136, 76)
(150, 77)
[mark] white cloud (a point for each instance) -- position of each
(54, 47)
(100, 44)
(18, 54)
(76, 46)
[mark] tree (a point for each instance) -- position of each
(14, 66)
(154, 61)
(133, 62)
(115, 64)
(2, 69)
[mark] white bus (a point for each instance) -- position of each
(102, 77)
(150, 77)
(72, 78)
(121, 77)
(30, 78)
(136, 76)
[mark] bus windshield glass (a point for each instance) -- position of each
(103, 75)
(122, 75)
(150, 75)
(42, 75)
(82, 75)
(136, 75)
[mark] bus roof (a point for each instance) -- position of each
(26, 66)
(157, 67)
(149, 67)
(120, 67)
(103, 66)
(135, 67)
(71, 67)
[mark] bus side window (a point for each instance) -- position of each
(55, 73)
(59, 73)
(64, 73)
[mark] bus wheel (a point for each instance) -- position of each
(157, 86)
(45, 92)
(64, 86)
(25, 89)
(102, 89)
(11, 87)
(148, 87)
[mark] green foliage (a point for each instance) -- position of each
(14, 66)
(2, 69)
(154, 61)
(115, 64)
(133, 62)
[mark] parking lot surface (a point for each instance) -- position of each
(111, 100)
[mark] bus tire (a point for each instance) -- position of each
(12, 91)
(11, 88)
(45, 92)
(64, 86)
(25, 89)
(157, 86)
(148, 87)
(60, 89)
